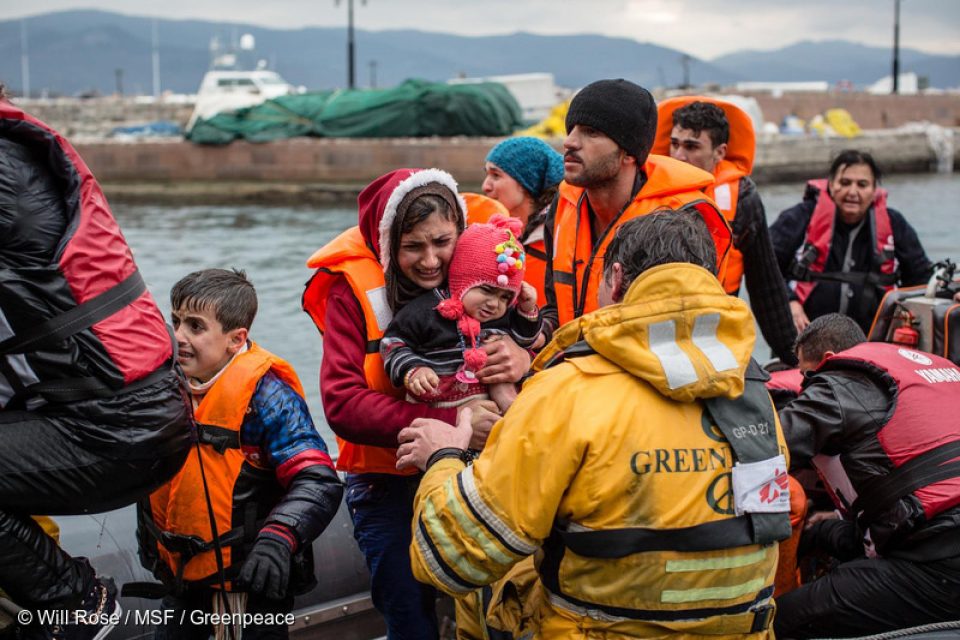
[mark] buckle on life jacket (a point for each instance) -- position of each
(186, 545)
(762, 617)
(219, 438)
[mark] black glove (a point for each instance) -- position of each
(267, 569)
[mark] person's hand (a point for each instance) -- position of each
(506, 362)
(527, 300)
(800, 319)
(424, 436)
(422, 381)
(485, 414)
(956, 296)
(819, 516)
(266, 570)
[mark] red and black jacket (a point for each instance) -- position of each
(76, 320)
(893, 416)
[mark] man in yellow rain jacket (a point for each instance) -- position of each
(643, 465)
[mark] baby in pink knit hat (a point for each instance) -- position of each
(433, 346)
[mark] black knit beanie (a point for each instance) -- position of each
(624, 111)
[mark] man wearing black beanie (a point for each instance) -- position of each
(609, 178)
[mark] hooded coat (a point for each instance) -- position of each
(564, 453)
(361, 408)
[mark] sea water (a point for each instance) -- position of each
(272, 245)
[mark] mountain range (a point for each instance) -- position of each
(71, 52)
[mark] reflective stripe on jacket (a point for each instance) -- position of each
(726, 193)
(83, 325)
(348, 256)
(820, 236)
(241, 494)
(737, 163)
(578, 267)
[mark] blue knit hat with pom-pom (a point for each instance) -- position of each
(530, 161)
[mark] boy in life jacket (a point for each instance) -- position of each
(432, 346)
(265, 471)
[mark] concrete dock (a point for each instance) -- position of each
(320, 171)
(317, 171)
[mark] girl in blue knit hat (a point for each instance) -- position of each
(523, 174)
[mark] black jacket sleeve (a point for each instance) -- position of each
(787, 234)
(915, 266)
(407, 336)
(523, 330)
(310, 503)
(769, 296)
(813, 422)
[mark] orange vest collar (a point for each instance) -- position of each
(741, 149)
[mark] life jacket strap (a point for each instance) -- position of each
(539, 255)
(928, 468)
(856, 278)
(78, 318)
(576, 350)
(739, 531)
(188, 545)
(564, 277)
(67, 390)
(219, 438)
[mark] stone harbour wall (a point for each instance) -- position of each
(330, 170)
(312, 170)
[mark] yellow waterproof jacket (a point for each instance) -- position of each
(612, 441)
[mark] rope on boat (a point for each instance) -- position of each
(903, 633)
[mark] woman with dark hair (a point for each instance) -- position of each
(409, 222)
(842, 247)
(523, 175)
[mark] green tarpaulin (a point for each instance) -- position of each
(415, 108)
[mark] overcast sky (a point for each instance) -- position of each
(704, 28)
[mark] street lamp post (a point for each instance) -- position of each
(896, 46)
(351, 46)
(685, 61)
(156, 61)
(24, 60)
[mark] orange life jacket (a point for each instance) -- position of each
(240, 496)
(726, 193)
(480, 208)
(737, 163)
(578, 267)
(348, 256)
(536, 265)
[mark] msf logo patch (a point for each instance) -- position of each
(770, 492)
